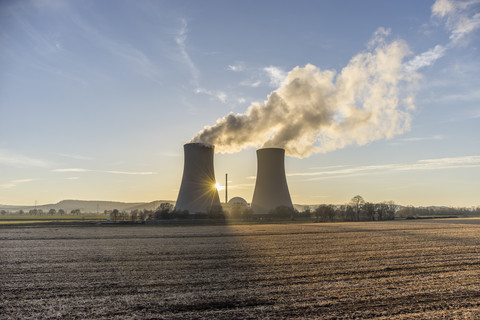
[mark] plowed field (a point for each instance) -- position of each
(382, 270)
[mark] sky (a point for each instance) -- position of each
(377, 98)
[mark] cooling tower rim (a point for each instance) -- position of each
(199, 144)
(270, 148)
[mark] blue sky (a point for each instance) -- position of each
(97, 98)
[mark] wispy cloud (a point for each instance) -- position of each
(276, 75)
(104, 171)
(72, 170)
(426, 164)
(141, 173)
(14, 183)
(75, 156)
(18, 160)
(462, 17)
(240, 186)
(425, 59)
(134, 58)
(219, 95)
(254, 83)
(235, 67)
(180, 39)
(434, 137)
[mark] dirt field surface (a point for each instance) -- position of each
(382, 270)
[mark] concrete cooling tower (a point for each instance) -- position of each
(271, 189)
(197, 192)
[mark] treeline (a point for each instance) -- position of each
(40, 212)
(411, 212)
(355, 210)
(365, 212)
(165, 211)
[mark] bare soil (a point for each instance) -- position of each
(374, 270)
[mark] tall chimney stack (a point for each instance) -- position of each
(198, 193)
(271, 189)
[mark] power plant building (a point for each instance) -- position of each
(198, 193)
(271, 189)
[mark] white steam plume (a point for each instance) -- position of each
(319, 111)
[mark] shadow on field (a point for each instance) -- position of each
(397, 269)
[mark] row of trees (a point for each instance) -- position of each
(40, 212)
(411, 212)
(356, 210)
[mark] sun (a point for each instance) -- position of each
(219, 187)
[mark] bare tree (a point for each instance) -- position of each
(357, 202)
(163, 211)
(134, 215)
(114, 214)
(369, 209)
(381, 210)
(282, 212)
(325, 212)
(142, 215)
(392, 208)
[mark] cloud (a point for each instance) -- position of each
(235, 68)
(75, 156)
(134, 58)
(130, 172)
(219, 95)
(434, 137)
(104, 171)
(71, 170)
(425, 59)
(442, 7)
(240, 186)
(17, 160)
(460, 21)
(461, 17)
(222, 96)
(14, 183)
(426, 164)
(180, 39)
(254, 83)
(276, 75)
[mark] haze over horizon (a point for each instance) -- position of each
(376, 98)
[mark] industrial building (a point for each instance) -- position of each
(271, 189)
(198, 193)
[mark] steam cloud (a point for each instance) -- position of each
(318, 110)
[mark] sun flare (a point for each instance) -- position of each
(219, 187)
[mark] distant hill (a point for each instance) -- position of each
(90, 206)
